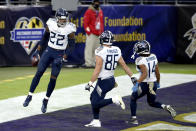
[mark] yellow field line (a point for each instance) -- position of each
(21, 78)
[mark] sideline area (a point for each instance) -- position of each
(12, 109)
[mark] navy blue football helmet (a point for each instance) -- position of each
(62, 16)
(141, 47)
(106, 38)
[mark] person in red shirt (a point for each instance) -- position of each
(93, 26)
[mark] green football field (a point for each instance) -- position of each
(15, 81)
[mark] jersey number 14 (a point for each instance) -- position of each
(151, 68)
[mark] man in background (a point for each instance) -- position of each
(93, 26)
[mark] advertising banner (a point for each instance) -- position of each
(130, 24)
(21, 28)
(186, 37)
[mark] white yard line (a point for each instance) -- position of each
(12, 109)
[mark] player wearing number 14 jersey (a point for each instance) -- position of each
(107, 57)
(61, 34)
(148, 81)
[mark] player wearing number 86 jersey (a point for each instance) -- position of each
(110, 57)
(107, 57)
(60, 33)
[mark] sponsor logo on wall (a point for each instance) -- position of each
(28, 32)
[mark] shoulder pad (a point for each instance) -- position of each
(118, 48)
(138, 60)
(99, 49)
(50, 21)
(71, 26)
(154, 55)
(53, 19)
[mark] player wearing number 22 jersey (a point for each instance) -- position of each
(148, 81)
(107, 57)
(60, 33)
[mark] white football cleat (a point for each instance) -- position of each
(118, 101)
(94, 123)
(170, 110)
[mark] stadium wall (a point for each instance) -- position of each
(169, 29)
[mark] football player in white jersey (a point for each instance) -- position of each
(60, 33)
(107, 57)
(148, 82)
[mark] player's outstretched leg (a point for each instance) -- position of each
(44, 105)
(118, 101)
(27, 100)
(171, 110)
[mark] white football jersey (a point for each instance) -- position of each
(150, 62)
(59, 35)
(110, 56)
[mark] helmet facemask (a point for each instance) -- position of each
(61, 22)
(62, 17)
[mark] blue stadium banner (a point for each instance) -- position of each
(21, 28)
(130, 24)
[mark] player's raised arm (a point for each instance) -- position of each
(125, 67)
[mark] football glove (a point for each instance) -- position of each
(135, 87)
(134, 80)
(157, 85)
(88, 86)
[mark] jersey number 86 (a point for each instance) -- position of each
(111, 62)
